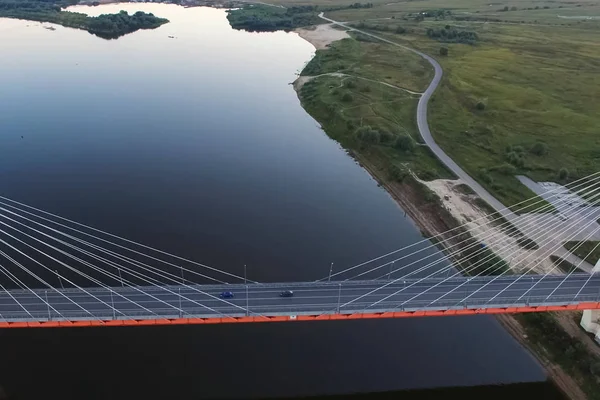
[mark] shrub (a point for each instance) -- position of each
(428, 175)
(367, 134)
(539, 149)
(487, 178)
(563, 174)
(480, 106)
(397, 174)
(507, 169)
(516, 158)
(350, 84)
(513, 8)
(405, 143)
(443, 51)
(512, 157)
(347, 97)
(385, 136)
(400, 30)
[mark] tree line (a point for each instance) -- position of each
(258, 18)
(451, 35)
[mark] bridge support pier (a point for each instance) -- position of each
(591, 318)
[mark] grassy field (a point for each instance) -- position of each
(536, 94)
(521, 100)
(373, 60)
(365, 115)
(534, 90)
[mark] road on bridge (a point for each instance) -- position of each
(310, 298)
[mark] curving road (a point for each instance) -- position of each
(425, 132)
(423, 125)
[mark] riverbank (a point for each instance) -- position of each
(435, 217)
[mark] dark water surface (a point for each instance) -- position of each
(197, 145)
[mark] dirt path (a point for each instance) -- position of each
(304, 79)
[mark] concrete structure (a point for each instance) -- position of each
(590, 321)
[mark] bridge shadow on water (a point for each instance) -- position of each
(535, 390)
(252, 362)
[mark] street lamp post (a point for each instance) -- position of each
(112, 303)
(48, 304)
(59, 280)
(339, 297)
(120, 277)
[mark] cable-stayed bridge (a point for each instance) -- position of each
(197, 304)
(57, 272)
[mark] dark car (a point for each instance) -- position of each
(286, 293)
(226, 295)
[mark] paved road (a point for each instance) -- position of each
(425, 132)
(424, 126)
(310, 298)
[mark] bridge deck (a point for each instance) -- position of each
(256, 302)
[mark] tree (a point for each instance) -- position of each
(513, 8)
(539, 149)
(507, 169)
(368, 135)
(443, 51)
(347, 97)
(480, 106)
(400, 30)
(385, 136)
(563, 174)
(405, 143)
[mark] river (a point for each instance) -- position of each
(196, 144)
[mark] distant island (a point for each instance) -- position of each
(260, 18)
(107, 26)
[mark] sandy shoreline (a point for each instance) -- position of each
(322, 35)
